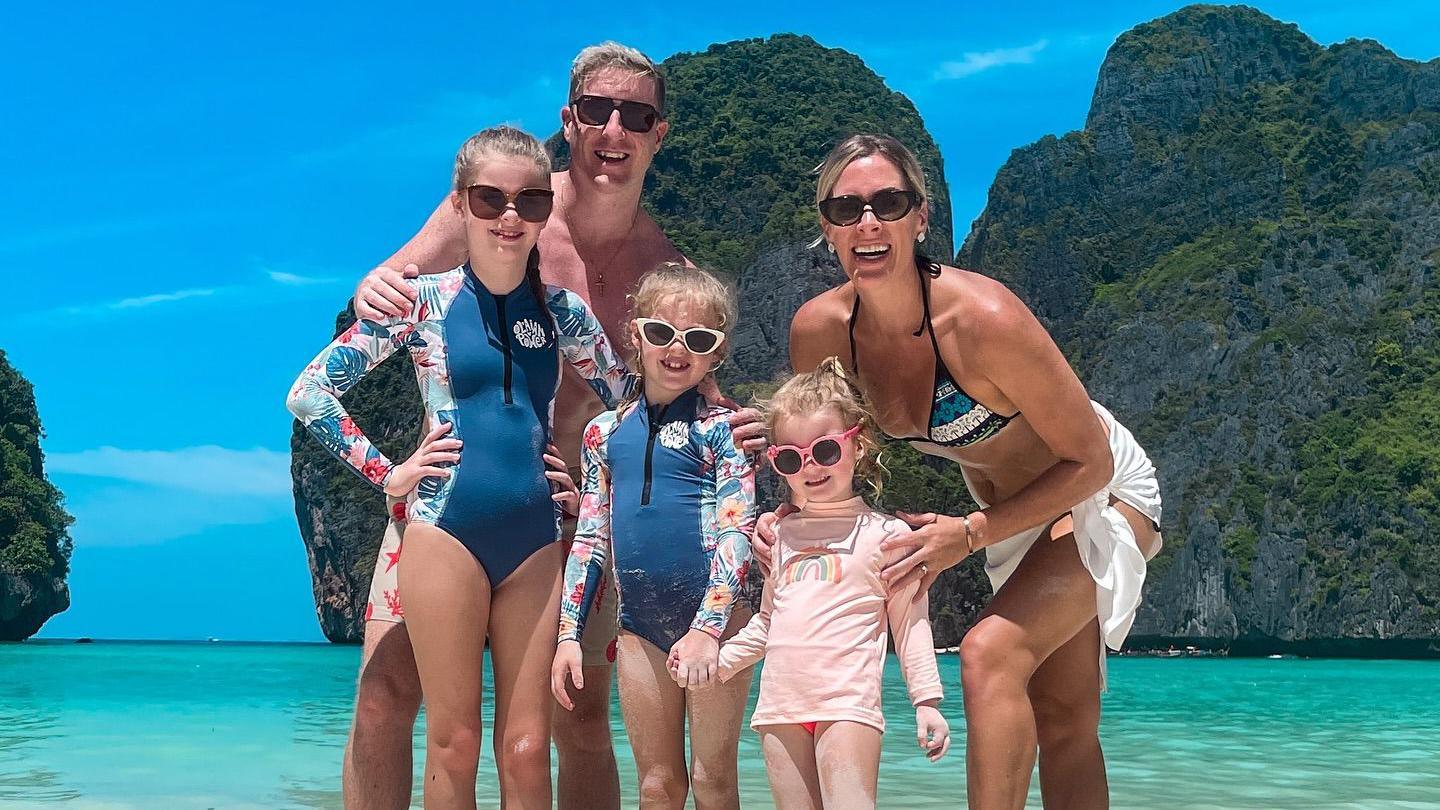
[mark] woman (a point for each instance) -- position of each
(479, 556)
(955, 364)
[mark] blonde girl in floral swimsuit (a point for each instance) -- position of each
(666, 494)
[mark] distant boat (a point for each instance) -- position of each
(84, 640)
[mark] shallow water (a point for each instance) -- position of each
(114, 725)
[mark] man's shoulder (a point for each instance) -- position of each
(657, 247)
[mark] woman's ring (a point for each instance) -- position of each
(925, 569)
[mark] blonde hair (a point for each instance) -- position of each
(830, 386)
(672, 283)
(504, 141)
(864, 145)
(609, 54)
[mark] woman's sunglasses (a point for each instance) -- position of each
(889, 205)
(531, 204)
(697, 340)
(635, 116)
(788, 459)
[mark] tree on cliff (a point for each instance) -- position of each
(34, 541)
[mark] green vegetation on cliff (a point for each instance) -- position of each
(749, 121)
(1239, 255)
(33, 526)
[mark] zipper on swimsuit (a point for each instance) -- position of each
(654, 430)
(505, 345)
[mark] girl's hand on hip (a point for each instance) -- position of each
(425, 463)
(562, 486)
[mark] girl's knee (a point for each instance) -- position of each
(713, 783)
(454, 747)
(662, 785)
(524, 758)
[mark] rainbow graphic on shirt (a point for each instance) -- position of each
(817, 564)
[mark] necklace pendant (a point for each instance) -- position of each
(600, 283)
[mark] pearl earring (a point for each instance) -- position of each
(830, 246)
(922, 237)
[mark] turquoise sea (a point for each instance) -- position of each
(145, 725)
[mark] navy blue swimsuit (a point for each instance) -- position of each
(666, 491)
(488, 365)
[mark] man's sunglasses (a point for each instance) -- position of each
(531, 204)
(889, 205)
(788, 459)
(636, 116)
(697, 340)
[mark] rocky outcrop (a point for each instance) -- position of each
(27, 601)
(1238, 253)
(34, 539)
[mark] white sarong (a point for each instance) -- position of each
(1106, 542)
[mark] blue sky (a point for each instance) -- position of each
(192, 189)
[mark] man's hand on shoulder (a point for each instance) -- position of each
(383, 293)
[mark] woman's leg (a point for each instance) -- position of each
(524, 620)
(790, 764)
(447, 606)
(654, 711)
(1047, 601)
(1065, 694)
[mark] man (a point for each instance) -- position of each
(598, 242)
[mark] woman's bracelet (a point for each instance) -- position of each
(969, 542)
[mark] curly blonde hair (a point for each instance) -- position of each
(830, 386)
(672, 283)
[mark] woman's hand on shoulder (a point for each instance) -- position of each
(936, 543)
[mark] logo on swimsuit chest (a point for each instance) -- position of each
(675, 435)
(530, 334)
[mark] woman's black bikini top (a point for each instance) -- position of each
(956, 419)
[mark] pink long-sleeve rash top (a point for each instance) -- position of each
(824, 619)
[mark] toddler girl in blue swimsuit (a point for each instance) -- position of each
(667, 495)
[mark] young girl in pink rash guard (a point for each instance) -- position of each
(825, 615)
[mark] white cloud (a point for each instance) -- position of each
(973, 62)
(160, 298)
(208, 468)
(295, 279)
(255, 290)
